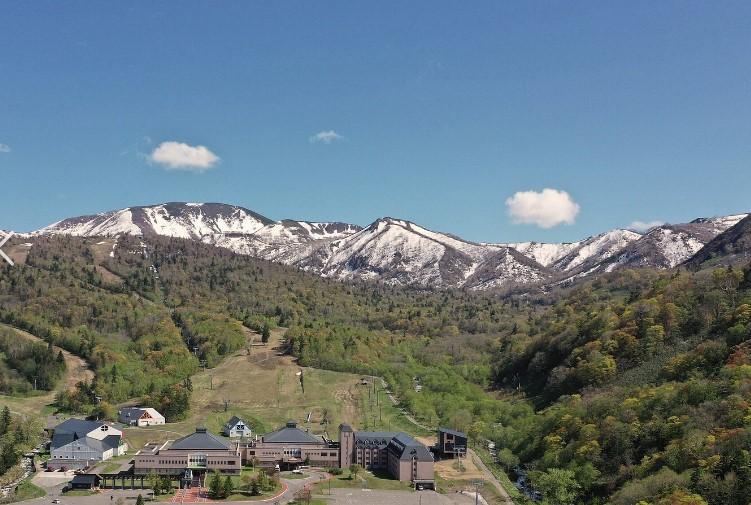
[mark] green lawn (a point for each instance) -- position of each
(79, 492)
(27, 491)
(382, 415)
(264, 389)
(364, 480)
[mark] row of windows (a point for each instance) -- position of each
(294, 453)
(68, 457)
(183, 462)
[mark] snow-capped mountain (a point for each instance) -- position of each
(184, 220)
(569, 255)
(735, 243)
(400, 252)
(670, 245)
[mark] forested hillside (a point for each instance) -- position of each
(633, 387)
(25, 365)
(644, 384)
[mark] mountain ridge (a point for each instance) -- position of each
(400, 252)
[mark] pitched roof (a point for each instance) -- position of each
(233, 422)
(137, 412)
(201, 439)
(453, 432)
(77, 426)
(71, 430)
(109, 442)
(379, 439)
(131, 412)
(291, 434)
(407, 448)
(84, 478)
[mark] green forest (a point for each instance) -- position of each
(633, 388)
(27, 366)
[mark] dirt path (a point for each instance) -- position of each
(263, 384)
(489, 477)
(77, 370)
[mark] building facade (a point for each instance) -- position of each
(451, 443)
(290, 447)
(398, 454)
(189, 458)
(140, 416)
(236, 428)
(78, 444)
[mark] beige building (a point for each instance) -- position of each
(394, 453)
(398, 454)
(290, 447)
(189, 458)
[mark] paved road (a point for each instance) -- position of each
(381, 497)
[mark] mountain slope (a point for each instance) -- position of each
(184, 220)
(399, 252)
(733, 243)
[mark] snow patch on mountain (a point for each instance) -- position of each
(543, 253)
(399, 252)
(104, 224)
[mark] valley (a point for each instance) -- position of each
(595, 390)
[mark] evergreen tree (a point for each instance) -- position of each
(228, 486)
(4, 421)
(215, 486)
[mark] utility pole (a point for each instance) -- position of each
(477, 485)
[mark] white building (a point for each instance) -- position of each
(236, 428)
(140, 416)
(78, 444)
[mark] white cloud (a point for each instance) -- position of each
(4, 148)
(325, 137)
(546, 208)
(180, 156)
(642, 226)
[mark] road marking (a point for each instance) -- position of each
(6, 238)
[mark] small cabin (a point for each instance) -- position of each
(236, 428)
(451, 443)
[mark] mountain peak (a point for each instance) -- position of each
(398, 251)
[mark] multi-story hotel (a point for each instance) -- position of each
(190, 458)
(403, 457)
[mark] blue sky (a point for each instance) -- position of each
(638, 110)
